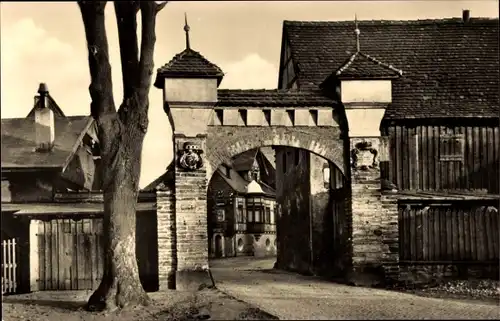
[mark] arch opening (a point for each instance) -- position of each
(283, 205)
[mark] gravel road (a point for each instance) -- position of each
(291, 296)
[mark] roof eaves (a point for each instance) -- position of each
(74, 148)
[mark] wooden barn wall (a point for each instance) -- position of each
(415, 156)
(71, 253)
(464, 232)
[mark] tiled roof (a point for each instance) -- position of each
(245, 160)
(188, 63)
(361, 65)
(271, 98)
(450, 67)
(235, 181)
(18, 142)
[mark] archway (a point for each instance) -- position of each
(305, 199)
(225, 142)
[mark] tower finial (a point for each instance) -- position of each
(357, 32)
(186, 29)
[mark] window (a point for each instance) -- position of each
(220, 215)
(240, 244)
(239, 215)
(451, 147)
(257, 213)
(283, 155)
(268, 216)
(249, 215)
(250, 208)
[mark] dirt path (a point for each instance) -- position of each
(169, 305)
(291, 296)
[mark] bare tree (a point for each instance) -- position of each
(121, 135)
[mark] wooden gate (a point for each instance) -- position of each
(9, 266)
(70, 254)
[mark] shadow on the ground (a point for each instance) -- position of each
(64, 305)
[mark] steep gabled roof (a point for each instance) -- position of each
(18, 142)
(245, 160)
(189, 64)
(450, 67)
(361, 65)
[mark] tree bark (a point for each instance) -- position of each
(121, 137)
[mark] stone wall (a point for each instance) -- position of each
(432, 274)
(224, 142)
(167, 250)
(293, 222)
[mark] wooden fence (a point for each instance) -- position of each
(9, 266)
(448, 233)
(71, 253)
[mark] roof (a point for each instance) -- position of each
(271, 98)
(167, 179)
(189, 64)
(235, 181)
(254, 188)
(66, 209)
(18, 142)
(450, 67)
(361, 65)
(245, 160)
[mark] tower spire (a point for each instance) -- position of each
(357, 32)
(186, 30)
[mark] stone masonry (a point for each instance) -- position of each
(374, 218)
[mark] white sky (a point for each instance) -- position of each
(45, 42)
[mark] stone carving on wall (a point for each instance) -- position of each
(364, 156)
(190, 156)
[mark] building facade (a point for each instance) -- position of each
(241, 207)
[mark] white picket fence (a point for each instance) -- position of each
(9, 266)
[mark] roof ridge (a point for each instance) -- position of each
(349, 62)
(383, 64)
(185, 52)
(374, 60)
(389, 21)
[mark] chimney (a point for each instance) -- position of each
(44, 121)
(466, 15)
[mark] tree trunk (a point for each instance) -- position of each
(121, 136)
(120, 285)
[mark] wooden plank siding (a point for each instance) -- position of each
(460, 232)
(416, 156)
(71, 253)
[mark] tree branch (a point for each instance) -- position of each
(149, 10)
(101, 86)
(126, 16)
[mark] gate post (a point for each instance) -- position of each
(189, 82)
(374, 215)
(33, 256)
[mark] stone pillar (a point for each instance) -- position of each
(374, 215)
(167, 249)
(191, 213)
